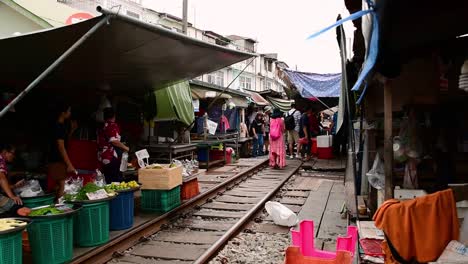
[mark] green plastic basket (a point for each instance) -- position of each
(11, 249)
(92, 224)
(160, 201)
(51, 240)
(32, 202)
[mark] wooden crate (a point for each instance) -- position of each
(160, 179)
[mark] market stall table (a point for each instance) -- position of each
(204, 146)
(167, 152)
(244, 149)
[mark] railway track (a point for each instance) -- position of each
(197, 230)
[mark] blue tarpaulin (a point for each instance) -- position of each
(315, 85)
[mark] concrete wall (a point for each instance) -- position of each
(12, 22)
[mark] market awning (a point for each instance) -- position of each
(240, 102)
(258, 99)
(126, 56)
(200, 93)
(315, 85)
(281, 104)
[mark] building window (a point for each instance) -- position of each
(268, 85)
(133, 14)
(216, 78)
(245, 82)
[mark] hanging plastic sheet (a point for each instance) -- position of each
(315, 85)
(175, 103)
(372, 50)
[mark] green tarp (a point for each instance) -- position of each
(175, 103)
(283, 105)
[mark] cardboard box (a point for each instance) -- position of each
(160, 179)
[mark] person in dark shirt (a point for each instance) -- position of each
(305, 134)
(59, 163)
(258, 133)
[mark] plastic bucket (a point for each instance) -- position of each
(92, 224)
(11, 248)
(32, 202)
(51, 240)
(122, 210)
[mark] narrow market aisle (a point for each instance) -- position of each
(207, 180)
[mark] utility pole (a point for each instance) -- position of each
(184, 16)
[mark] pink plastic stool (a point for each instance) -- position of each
(304, 239)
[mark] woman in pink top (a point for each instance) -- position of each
(277, 146)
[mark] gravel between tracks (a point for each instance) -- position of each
(254, 248)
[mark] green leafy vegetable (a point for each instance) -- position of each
(88, 188)
(45, 211)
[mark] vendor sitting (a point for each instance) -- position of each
(10, 203)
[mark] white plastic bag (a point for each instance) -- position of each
(73, 185)
(376, 175)
(124, 162)
(281, 215)
(100, 179)
(31, 188)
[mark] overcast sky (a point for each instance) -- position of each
(279, 26)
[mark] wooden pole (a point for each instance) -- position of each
(388, 141)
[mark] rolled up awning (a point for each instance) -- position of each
(126, 56)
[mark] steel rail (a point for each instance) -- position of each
(211, 251)
(105, 253)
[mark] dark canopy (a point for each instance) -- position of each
(126, 56)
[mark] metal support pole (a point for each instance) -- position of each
(388, 141)
(54, 65)
(229, 85)
(184, 16)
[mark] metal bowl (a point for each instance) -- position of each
(18, 228)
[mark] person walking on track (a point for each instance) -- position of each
(292, 122)
(277, 146)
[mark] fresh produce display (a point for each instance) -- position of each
(88, 188)
(155, 166)
(50, 210)
(7, 224)
(115, 186)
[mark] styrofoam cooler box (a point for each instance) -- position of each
(325, 147)
(324, 141)
(407, 194)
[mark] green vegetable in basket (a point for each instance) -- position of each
(88, 188)
(45, 211)
(69, 197)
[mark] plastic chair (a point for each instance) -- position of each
(294, 256)
(304, 239)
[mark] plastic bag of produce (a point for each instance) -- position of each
(281, 215)
(73, 185)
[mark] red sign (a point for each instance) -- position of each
(78, 17)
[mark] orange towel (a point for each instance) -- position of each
(421, 228)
